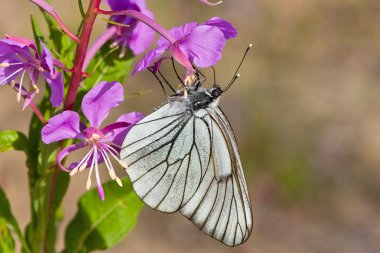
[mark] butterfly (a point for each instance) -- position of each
(184, 157)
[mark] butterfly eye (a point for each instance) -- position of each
(215, 92)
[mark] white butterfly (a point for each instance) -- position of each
(184, 157)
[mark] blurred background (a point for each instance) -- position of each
(306, 112)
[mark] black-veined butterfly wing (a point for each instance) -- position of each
(189, 161)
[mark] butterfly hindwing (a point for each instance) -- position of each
(221, 206)
(186, 161)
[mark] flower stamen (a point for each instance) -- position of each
(109, 166)
(88, 185)
(118, 181)
(111, 169)
(100, 188)
(82, 164)
(11, 75)
(7, 64)
(35, 88)
(20, 88)
(112, 151)
(74, 171)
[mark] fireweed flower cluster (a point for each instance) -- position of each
(190, 44)
(201, 44)
(103, 142)
(137, 36)
(19, 57)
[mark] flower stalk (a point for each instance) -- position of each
(81, 50)
(17, 87)
(49, 9)
(143, 18)
(38, 113)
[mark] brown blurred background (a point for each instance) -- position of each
(306, 113)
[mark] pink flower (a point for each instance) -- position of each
(19, 58)
(196, 44)
(103, 142)
(138, 36)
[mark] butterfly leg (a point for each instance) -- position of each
(175, 70)
(166, 81)
(159, 81)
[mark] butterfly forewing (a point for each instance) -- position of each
(181, 160)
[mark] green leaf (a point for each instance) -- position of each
(62, 46)
(13, 140)
(81, 9)
(99, 225)
(7, 243)
(47, 158)
(7, 217)
(36, 32)
(108, 66)
(114, 22)
(35, 137)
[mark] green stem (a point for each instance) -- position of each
(50, 211)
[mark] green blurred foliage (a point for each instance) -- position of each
(7, 244)
(100, 225)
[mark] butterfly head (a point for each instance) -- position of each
(215, 92)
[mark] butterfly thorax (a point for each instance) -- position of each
(196, 98)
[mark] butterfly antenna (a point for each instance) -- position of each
(214, 74)
(175, 70)
(236, 75)
(166, 81)
(159, 81)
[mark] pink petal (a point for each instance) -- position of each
(23, 41)
(180, 56)
(156, 66)
(28, 98)
(147, 60)
(64, 152)
(204, 45)
(57, 89)
(226, 27)
(60, 127)
(47, 58)
(178, 32)
(141, 36)
(98, 102)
